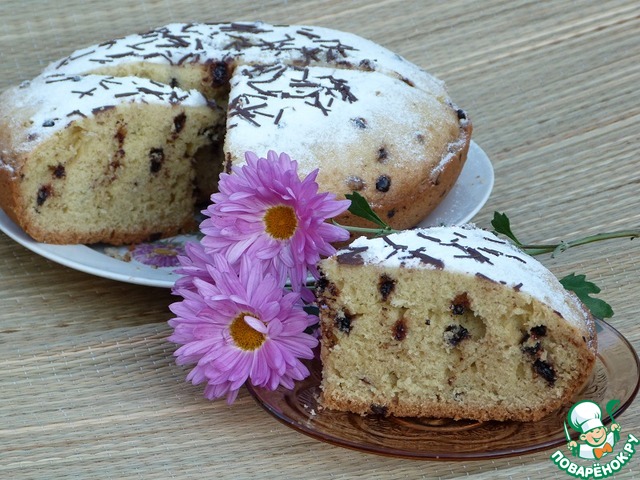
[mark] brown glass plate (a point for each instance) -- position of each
(616, 376)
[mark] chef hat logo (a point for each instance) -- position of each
(585, 416)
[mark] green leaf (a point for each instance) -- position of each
(502, 225)
(360, 207)
(583, 288)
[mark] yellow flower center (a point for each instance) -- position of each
(280, 222)
(244, 335)
(166, 252)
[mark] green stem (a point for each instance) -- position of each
(378, 232)
(562, 246)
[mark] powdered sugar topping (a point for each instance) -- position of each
(467, 250)
(247, 42)
(58, 100)
(280, 107)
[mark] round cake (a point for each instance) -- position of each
(369, 120)
(449, 322)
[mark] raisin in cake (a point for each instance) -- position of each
(381, 125)
(449, 322)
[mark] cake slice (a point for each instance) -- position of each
(96, 158)
(449, 322)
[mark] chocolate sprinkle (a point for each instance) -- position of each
(352, 257)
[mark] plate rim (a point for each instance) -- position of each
(471, 456)
(102, 265)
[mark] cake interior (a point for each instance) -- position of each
(143, 148)
(425, 342)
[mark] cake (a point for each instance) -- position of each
(93, 158)
(449, 322)
(368, 119)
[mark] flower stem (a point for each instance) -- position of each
(532, 249)
(378, 232)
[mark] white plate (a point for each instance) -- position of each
(466, 198)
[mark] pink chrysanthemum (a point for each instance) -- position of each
(159, 254)
(241, 325)
(263, 209)
(194, 264)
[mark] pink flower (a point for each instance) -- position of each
(163, 253)
(238, 326)
(193, 265)
(265, 211)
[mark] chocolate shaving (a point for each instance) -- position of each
(278, 117)
(76, 112)
(517, 258)
(307, 34)
(137, 46)
(427, 259)
(352, 257)
(83, 94)
(103, 83)
(484, 277)
(104, 108)
(148, 91)
(240, 27)
(427, 237)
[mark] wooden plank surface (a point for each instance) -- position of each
(88, 386)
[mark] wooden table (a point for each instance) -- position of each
(88, 385)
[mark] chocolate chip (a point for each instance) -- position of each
(539, 331)
(343, 322)
(44, 192)
(386, 285)
(454, 334)
(156, 158)
(461, 114)
(391, 213)
(323, 285)
(457, 309)
(382, 154)
(58, 171)
(48, 123)
(460, 304)
(219, 74)
(545, 370)
(400, 330)
(378, 409)
(174, 83)
(427, 322)
(532, 350)
(178, 122)
(359, 122)
(383, 183)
